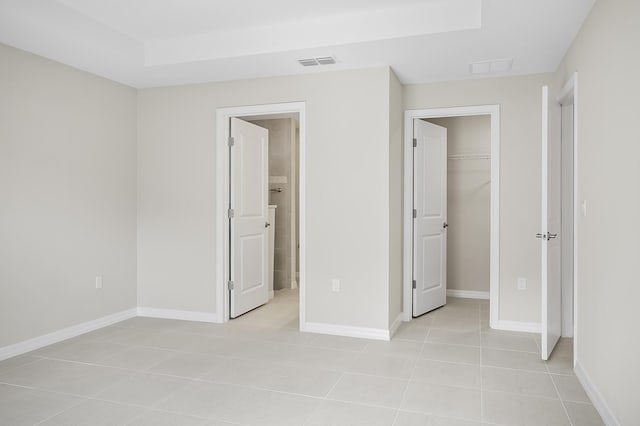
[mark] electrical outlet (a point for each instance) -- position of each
(99, 281)
(522, 283)
(335, 285)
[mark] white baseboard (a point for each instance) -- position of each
(468, 294)
(395, 325)
(596, 397)
(64, 334)
(178, 315)
(345, 330)
(528, 327)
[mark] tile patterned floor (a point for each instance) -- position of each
(446, 368)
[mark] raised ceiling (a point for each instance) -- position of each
(147, 43)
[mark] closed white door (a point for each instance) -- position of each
(430, 217)
(248, 215)
(551, 222)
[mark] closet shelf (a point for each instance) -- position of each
(469, 157)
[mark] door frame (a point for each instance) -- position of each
(569, 96)
(223, 115)
(407, 254)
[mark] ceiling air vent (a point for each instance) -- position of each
(491, 67)
(326, 60)
(322, 60)
(309, 62)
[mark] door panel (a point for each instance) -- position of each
(430, 203)
(249, 166)
(432, 249)
(551, 222)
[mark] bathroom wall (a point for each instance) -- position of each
(282, 133)
(468, 202)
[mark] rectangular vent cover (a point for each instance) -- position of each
(326, 60)
(322, 60)
(308, 62)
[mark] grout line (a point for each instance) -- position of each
(81, 401)
(34, 359)
(406, 388)
(564, 408)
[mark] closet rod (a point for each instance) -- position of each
(469, 157)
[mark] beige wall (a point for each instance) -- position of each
(68, 196)
(520, 131)
(347, 191)
(468, 202)
(395, 197)
(605, 55)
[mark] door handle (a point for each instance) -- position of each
(445, 225)
(547, 236)
(267, 224)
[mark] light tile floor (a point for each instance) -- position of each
(446, 368)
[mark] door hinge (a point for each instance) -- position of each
(414, 284)
(415, 142)
(231, 141)
(230, 285)
(415, 213)
(230, 213)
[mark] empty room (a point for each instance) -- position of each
(360, 212)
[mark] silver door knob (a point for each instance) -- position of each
(551, 236)
(445, 225)
(267, 224)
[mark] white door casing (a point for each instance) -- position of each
(566, 240)
(551, 223)
(249, 190)
(430, 217)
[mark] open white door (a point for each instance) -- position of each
(430, 217)
(551, 222)
(248, 215)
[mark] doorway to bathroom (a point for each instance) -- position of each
(261, 213)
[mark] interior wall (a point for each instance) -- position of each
(468, 202)
(68, 185)
(297, 174)
(520, 158)
(281, 176)
(395, 197)
(347, 191)
(605, 55)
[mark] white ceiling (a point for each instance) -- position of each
(147, 43)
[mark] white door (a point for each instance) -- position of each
(430, 217)
(551, 222)
(249, 189)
